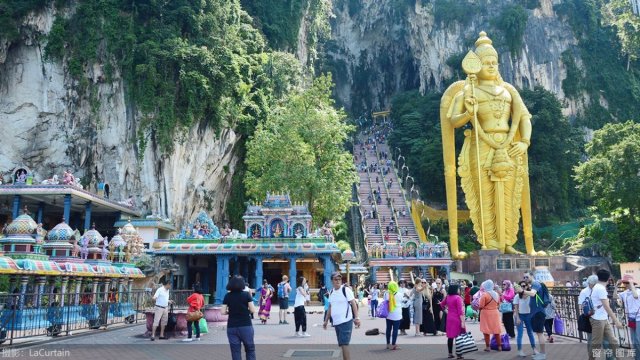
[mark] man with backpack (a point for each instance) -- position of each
(343, 312)
(283, 299)
(538, 300)
(584, 301)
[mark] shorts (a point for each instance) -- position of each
(343, 332)
(284, 303)
(537, 322)
(160, 316)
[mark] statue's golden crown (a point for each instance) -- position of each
(484, 47)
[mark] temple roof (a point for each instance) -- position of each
(33, 195)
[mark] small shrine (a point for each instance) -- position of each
(277, 217)
(277, 241)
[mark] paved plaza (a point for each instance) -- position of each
(273, 342)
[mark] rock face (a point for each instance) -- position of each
(49, 127)
(382, 48)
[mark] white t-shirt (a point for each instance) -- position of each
(584, 294)
(162, 296)
(341, 310)
(631, 305)
(599, 294)
(523, 304)
(301, 296)
(396, 314)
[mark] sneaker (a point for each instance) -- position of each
(187, 340)
(539, 356)
(522, 354)
(304, 334)
(197, 339)
(280, 322)
(285, 322)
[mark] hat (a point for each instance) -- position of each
(628, 278)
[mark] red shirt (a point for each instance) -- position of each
(195, 301)
(467, 296)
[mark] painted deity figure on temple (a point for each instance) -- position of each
(67, 178)
(492, 164)
(298, 234)
(84, 248)
(105, 248)
(256, 233)
(112, 250)
(277, 231)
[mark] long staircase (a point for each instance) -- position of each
(386, 214)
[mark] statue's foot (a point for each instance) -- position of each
(537, 253)
(510, 250)
(461, 255)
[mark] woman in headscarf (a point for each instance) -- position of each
(507, 317)
(490, 317)
(394, 298)
(453, 306)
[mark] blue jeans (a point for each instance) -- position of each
(238, 336)
(374, 306)
(392, 324)
(525, 320)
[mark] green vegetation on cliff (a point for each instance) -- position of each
(610, 178)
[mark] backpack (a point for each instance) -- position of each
(542, 297)
(475, 303)
(281, 290)
(587, 306)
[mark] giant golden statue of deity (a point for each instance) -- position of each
(492, 164)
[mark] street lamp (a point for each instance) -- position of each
(347, 256)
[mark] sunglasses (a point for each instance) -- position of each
(337, 278)
(424, 282)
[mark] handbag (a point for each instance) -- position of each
(202, 324)
(558, 325)
(383, 309)
(194, 315)
(504, 339)
(172, 320)
(584, 324)
(465, 344)
(506, 307)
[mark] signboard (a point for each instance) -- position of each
(503, 264)
(523, 264)
(541, 262)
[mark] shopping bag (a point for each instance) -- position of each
(465, 344)
(470, 313)
(383, 310)
(202, 323)
(504, 339)
(558, 325)
(584, 324)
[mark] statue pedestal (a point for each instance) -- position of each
(491, 264)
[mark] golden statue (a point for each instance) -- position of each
(497, 186)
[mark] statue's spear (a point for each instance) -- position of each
(472, 64)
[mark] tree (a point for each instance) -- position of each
(619, 15)
(611, 176)
(300, 149)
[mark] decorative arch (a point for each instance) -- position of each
(255, 231)
(299, 228)
(277, 228)
(20, 174)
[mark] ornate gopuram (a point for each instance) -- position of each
(277, 242)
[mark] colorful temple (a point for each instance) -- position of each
(55, 267)
(279, 243)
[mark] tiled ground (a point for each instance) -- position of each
(273, 342)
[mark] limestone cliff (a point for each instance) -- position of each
(384, 46)
(49, 127)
